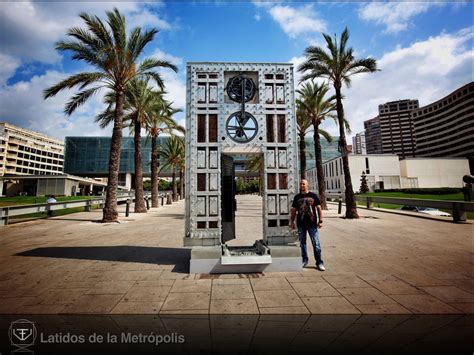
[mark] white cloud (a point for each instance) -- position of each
(426, 70)
(294, 21)
(159, 54)
(395, 16)
(22, 104)
(297, 21)
(28, 30)
(8, 66)
(257, 17)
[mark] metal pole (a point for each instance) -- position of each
(127, 208)
(339, 208)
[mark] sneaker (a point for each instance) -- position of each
(321, 267)
(305, 263)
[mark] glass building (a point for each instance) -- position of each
(89, 156)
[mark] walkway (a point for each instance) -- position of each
(380, 263)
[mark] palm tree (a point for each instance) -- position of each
(172, 152)
(254, 164)
(114, 55)
(314, 105)
(303, 123)
(338, 65)
(159, 121)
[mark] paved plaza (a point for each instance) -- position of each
(380, 263)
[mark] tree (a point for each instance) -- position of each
(338, 65)
(159, 121)
(254, 164)
(303, 122)
(172, 152)
(138, 104)
(364, 186)
(114, 55)
(314, 105)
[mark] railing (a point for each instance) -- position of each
(458, 208)
(7, 212)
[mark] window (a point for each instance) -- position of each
(367, 169)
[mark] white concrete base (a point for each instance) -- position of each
(214, 266)
(208, 260)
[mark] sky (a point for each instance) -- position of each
(424, 50)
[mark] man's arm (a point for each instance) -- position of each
(293, 216)
(320, 216)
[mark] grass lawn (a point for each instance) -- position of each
(447, 197)
(30, 200)
(38, 215)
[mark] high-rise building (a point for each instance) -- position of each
(373, 138)
(358, 144)
(25, 152)
(396, 127)
(445, 128)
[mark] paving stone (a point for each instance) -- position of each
(192, 286)
(147, 294)
(61, 296)
(467, 308)
(182, 301)
(282, 298)
(314, 289)
(392, 308)
(92, 304)
(421, 279)
(270, 284)
(124, 307)
(284, 310)
(329, 305)
(111, 287)
(230, 292)
(230, 282)
(449, 294)
(345, 281)
(365, 295)
(395, 287)
(234, 306)
(305, 279)
(424, 304)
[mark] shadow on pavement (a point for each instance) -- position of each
(150, 255)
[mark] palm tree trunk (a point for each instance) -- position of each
(139, 196)
(319, 167)
(154, 172)
(181, 184)
(175, 187)
(302, 155)
(351, 207)
(110, 213)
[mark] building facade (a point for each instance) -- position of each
(386, 171)
(89, 156)
(358, 144)
(25, 152)
(445, 128)
(396, 127)
(373, 138)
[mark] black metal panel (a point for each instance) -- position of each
(227, 198)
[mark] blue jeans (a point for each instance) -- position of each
(314, 236)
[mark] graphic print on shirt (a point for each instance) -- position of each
(305, 209)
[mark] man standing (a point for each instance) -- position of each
(305, 205)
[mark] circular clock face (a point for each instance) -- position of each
(234, 88)
(241, 130)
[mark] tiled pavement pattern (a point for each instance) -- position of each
(380, 263)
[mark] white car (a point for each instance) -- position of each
(427, 210)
